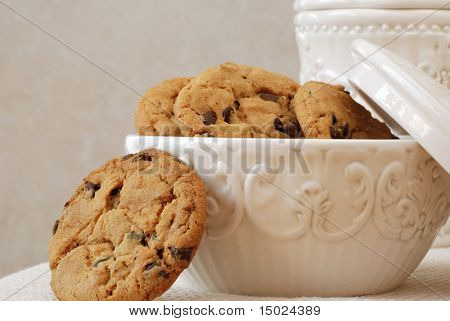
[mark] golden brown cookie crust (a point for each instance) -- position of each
(328, 111)
(154, 114)
(233, 100)
(129, 230)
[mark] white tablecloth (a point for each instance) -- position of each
(434, 271)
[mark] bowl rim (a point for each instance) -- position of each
(404, 139)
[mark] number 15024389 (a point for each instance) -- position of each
(289, 310)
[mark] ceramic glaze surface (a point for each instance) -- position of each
(372, 4)
(418, 31)
(311, 217)
(406, 94)
(406, 98)
(443, 239)
(421, 36)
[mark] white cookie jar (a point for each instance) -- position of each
(417, 30)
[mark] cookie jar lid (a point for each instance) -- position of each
(302, 5)
(403, 95)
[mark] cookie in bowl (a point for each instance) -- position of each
(328, 111)
(129, 230)
(154, 114)
(234, 100)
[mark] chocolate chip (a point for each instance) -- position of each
(91, 188)
(160, 253)
(293, 129)
(278, 124)
(133, 235)
(334, 133)
(333, 119)
(269, 97)
(345, 130)
(115, 191)
(143, 157)
(339, 131)
(209, 118)
(150, 266)
(163, 274)
(100, 260)
(113, 200)
(127, 156)
(55, 226)
(181, 253)
(227, 114)
(237, 104)
(141, 237)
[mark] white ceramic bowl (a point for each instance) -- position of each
(443, 239)
(307, 217)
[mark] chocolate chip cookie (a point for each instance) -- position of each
(328, 111)
(130, 229)
(238, 101)
(154, 115)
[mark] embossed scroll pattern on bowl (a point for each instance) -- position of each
(403, 213)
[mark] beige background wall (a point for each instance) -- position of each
(61, 116)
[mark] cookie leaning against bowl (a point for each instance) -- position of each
(129, 230)
(154, 114)
(233, 100)
(328, 111)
